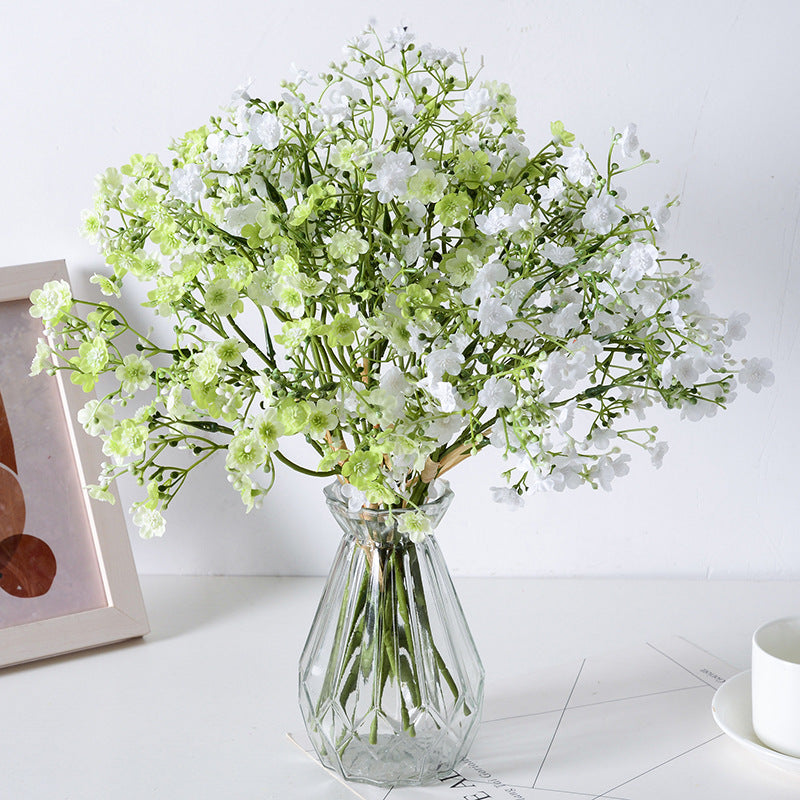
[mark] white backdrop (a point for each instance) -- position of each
(713, 87)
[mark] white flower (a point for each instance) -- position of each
(606, 469)
(489, 275)
(477, 100)
(403, 107)
(685, 369)
(444, 393)
(601, 214)
(629, 141)
(393, 382)
(233, 153)
(444, 361)
(557, 373)
(149, 521)
(187, 185)
(266, 130)
(400, 36)
(497, 393)
(657, 453)
(553, 191)
(495, 221)
(443, 429)
(578, 167)
(565, 319)
(335, 106)
(508, 496)
(561, 256)
(519, 219)
(392, 172)
(757, 373)
(356, 499)
(493, 316)
(736, 327)
(96, 417)
(517, 151)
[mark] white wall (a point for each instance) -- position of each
(714, 89)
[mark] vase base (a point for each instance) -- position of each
(396, 760)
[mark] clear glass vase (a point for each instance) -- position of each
(391, 684)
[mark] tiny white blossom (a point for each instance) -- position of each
(497, 393)
(657, 453)
(559, 255)
(629, 141)
(493, 316)
(601, 214)
(578, 167)
(392, 171)
(477, 100)
(266, 130)
(495, 221)
(507, 496)
(187, 185)
(757, 374)
(403, 107)
(736, 328)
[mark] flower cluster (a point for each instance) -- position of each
(377, 261)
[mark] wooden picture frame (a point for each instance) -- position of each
(94, 596)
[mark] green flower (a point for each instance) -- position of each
(128, 438)
(472, 168)
(362, 468)
(149, 521)
(293, 415)
(347, 246)
(560, 134)
(260, 289)
(99, 492)
(42, 358)
(134, 373)
(347, 155)
(268, 428)
(51, 302)
(221, 298)
(453, 208)
(266, 225)
(206, 365)
(426, 186)
(207, 397)
(416, 524)
(460, 266)
(341, 330)
(92, 356)
(321, 419)
(231, 352)
(245, 452)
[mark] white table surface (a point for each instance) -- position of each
(201, 706)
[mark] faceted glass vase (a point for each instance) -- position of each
(391, 684)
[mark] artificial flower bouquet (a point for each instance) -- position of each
(379, 261)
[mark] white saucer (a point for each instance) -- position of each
(732, 710)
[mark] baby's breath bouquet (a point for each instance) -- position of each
(379, 261)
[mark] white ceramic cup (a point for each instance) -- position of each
(776, 685)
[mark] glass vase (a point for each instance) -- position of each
(391, 684)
